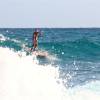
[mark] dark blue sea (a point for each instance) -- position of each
(74, 52)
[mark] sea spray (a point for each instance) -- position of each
(22, 78)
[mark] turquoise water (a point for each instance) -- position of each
(77, 51)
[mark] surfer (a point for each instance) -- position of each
(37, 33)
(35, 40)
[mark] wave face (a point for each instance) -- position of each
(72, 70)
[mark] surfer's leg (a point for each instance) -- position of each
(32, 48)
(35, 46)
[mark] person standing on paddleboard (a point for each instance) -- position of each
(35, 39)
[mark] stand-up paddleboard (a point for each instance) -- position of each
(40, 54)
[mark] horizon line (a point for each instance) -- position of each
(46, 27)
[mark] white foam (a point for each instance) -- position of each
(21, 78)
(90, 91)
(2, 37)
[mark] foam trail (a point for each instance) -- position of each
(21, 78)
(2, 38)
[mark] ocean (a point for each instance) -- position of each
(71, 72)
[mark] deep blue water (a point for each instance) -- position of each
(77, 50)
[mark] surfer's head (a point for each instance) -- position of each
(36, 30)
